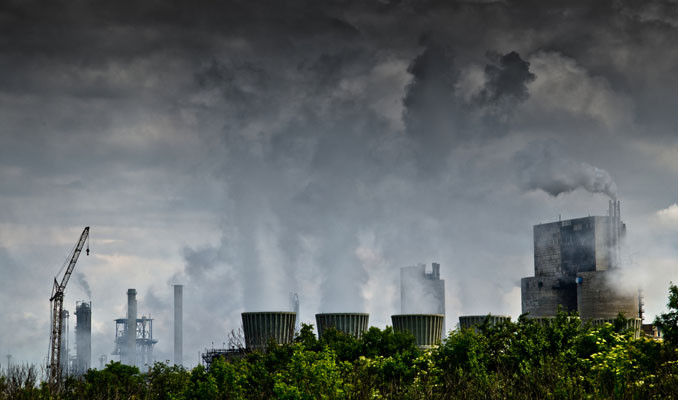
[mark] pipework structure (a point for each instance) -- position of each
(83, 337)
(422, 292)
(576, 267)
(134, 336)
(142, 354)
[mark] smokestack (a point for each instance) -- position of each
(178, 324)
(83, 336)
(63, 361)
(131, 352)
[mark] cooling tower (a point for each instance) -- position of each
(353, 324)
(473, 321)
(426, 328)
(260, 327)
(634, 324)
(83, 336)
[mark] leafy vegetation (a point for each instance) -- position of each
(527, 359)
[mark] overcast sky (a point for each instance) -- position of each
(249, 149)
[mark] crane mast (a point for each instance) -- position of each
(57, 305)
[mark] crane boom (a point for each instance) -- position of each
(57, 303)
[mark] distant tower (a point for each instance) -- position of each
(294, 303)
(422, 292)
(131, 334)
(83, 336)
(178, 324)
(63, 361)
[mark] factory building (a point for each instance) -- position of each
(576, 267)
(422, 292)
(83, 337)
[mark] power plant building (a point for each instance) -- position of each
(576, 267)
(422, 292)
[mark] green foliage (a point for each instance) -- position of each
(548, 359)
(668, 322)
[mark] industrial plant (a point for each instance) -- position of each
(134, 336)
(577, 267)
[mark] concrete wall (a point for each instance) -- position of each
(599, 296)
(603, 249)
(541, 295)
(547, 249)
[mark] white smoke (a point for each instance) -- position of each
(543, 165)
(82, 281)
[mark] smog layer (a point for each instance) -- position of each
(250, 150)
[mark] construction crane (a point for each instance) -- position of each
(57, 305)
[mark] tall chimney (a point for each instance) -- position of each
(131, 353)
(178, 324)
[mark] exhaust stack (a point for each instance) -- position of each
(178, 324)
(131, 348)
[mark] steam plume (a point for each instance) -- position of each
(544, 166)
(82, 281)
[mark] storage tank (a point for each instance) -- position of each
(260, 327)
(473, 321)
(426, 328)
(353, 324)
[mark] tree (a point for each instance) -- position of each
(668, 322)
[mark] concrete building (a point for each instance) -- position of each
(83, 337)
(422, 292)
(576, 267)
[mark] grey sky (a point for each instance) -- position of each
(252, 149)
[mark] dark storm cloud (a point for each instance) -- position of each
(255, 148)
(507, 80)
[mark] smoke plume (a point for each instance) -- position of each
(82, 281)
(543, 165)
